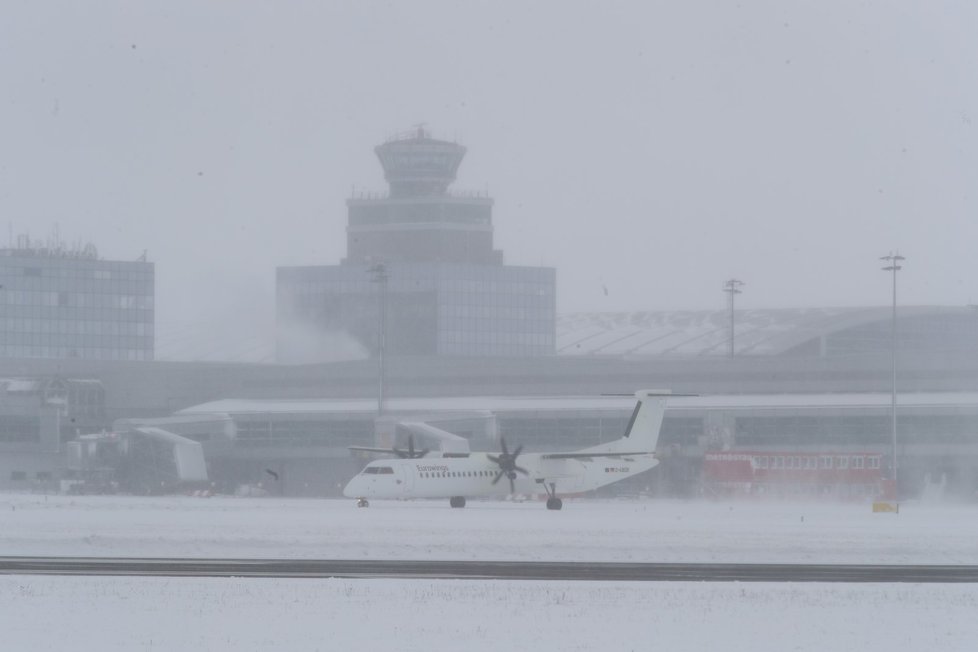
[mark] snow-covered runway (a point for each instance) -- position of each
(585, 530)
(126, 613)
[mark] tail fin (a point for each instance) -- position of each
(643, 430)
(642, 433)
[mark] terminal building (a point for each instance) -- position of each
(421, 259)
(805, 384)
(807, 388)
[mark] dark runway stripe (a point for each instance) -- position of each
(498, 570)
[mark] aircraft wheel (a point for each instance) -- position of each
(554, 503)
(457, 501)
(362, 502)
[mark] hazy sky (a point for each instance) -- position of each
(655, 149)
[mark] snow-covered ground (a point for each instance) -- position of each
(115, 614)
(235, 614)
(585, 530)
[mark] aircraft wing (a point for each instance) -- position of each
(582, 456)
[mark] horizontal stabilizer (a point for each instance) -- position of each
(446, 441)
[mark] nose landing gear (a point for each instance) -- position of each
(457, 501)
(362, 502)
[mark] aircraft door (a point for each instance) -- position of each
(405, 478)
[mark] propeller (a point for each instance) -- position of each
(410, 453)
(507, 464)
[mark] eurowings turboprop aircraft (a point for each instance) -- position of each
(458, 476)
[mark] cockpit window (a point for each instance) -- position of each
(379, 470)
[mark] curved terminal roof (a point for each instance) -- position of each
(707, 333)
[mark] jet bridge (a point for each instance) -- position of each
(144, 459)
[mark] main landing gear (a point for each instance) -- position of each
(552, 501)
(457, 501)
(362, 502)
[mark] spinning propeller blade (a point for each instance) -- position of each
(507, 464)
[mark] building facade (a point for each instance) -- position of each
(420, 259)
(431, 308)
(58, 302)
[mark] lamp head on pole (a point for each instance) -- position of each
(894, 260)
(732, 286)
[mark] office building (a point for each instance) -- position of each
(60, 302)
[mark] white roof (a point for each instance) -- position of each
(565, 403)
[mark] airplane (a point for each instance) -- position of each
(458, 476)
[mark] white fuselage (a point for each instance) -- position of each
(472, 476)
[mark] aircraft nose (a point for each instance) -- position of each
(350, 490)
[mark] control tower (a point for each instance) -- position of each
(420, 220)
(420, 275)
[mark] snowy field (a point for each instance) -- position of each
(235, 614)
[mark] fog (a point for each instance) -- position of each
(647, 151)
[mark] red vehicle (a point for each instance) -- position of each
(783, 473)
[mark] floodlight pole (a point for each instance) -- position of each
(379, 275)
(731, 288)
(894, 260)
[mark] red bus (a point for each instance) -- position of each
(786, 473)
